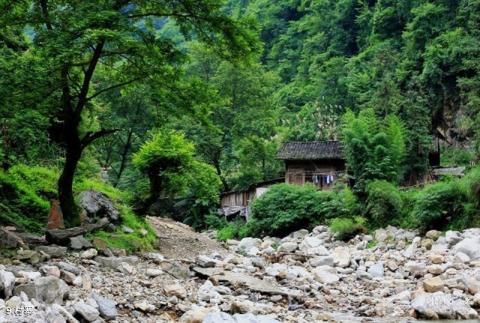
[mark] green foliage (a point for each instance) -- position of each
(166, 155)
(214, 221)
(164, 150)
(194, 186)
(25, 192)
(452, 156)
(374, 149)
(441, 206)
(285, 208)
(341, 202)
(202, 196)
(231, 231)
(24, 196)
(346, 228)
(384, 203)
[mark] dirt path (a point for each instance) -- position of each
(178, 241)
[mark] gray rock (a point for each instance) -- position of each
(89, 254)
(321, 261)
(154, 256)
(175, 290)
(341, 257)
(53, 251)
(50, 270)
(221, 317)
(62, 311)
(442, 306)
(7, 282)
(300, 234)
(87, 312)
(288, 246)
(249, 245)
(48, 290)
(153, 272)
(114, 262)
(205, 261)
(144, 306)
(106, 307)
(453, 237)
(309, 243)
(470, 247)
(325, 275)
(277, 270)
(79, 242)
(69, 267)
(433, 234)
(376, 270)
(97, 205)
(381, 235)
(10, 239)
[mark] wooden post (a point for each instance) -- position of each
(55, 217)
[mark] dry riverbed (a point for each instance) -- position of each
(392, 276)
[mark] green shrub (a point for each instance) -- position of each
(24, 196)
(347, 228)
(452, 156)
(25, 193)
(214, 221)
(285, 208)
(231, 231)
(384, 203)
(441, 206)
(338, 204)
(470, 185)
(407, 220)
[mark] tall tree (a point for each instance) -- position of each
(74, 39)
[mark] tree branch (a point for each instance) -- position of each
(113, 87)
(158, 14)
(82, 96)
(93, 135)
(44, 6)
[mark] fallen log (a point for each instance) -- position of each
(62, 236)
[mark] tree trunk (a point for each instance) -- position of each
(123, 162)
(155, 184)
(65, 185)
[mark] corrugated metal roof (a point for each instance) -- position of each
(311, 150)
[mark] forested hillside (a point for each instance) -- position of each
(176, 102)
(414, 59)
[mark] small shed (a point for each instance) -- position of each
(318, 162)
(235, 203)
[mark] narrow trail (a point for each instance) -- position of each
(178, 241)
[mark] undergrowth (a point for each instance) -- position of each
(25, 193)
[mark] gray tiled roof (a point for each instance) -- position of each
(312, 150)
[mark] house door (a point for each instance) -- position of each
(296, 178)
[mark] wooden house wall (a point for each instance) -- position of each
(237, 198)
(299, 172)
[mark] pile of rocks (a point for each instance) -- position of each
(391, 275)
